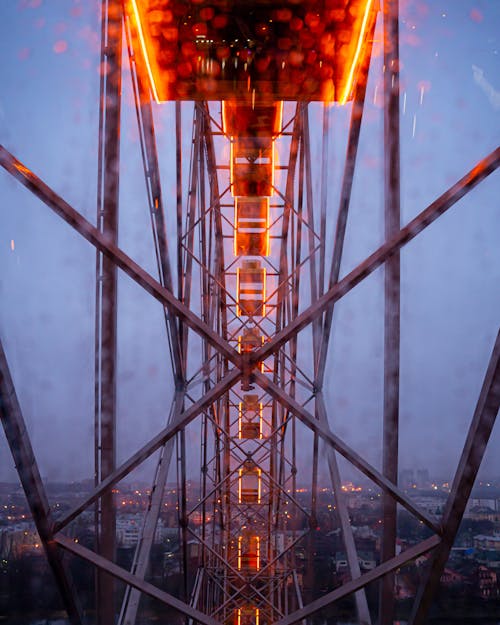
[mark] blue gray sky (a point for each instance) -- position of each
(49, 83)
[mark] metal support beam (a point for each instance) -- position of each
(106, 297)
(227, 382)
(364, 617)
(298, 595)
(306, 148)
(479, 433)
(24, 175)
(392, 289)
(132, 597)
(195, 595)
(145, 122)
(27, 468)
(367, 578)
(188, 240)
(343, 210)
(445, 201)
(123, 575)
(360, 463)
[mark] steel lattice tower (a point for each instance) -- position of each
(248, 298)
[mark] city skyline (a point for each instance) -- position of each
(449, 306)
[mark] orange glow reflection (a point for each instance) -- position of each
(249, 485)
(251, 289)
(248, 553)
(195, 51)
(247, 616)
(359, 45)
(250, 427)
(144, 49)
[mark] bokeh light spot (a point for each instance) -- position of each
(60, 46)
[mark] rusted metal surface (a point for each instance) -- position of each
(363, 611)
(106, 298)
(367, 578)
(125, 576)
(332, 439)
(422, 221)
(155, 443)
(478, 435)
(109, 249)
(29, 475)
(392, 288)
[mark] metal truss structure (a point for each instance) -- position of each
(248, 341)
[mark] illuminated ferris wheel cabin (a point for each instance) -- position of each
(226, 50)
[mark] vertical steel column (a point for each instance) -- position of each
(24, 458)
(183, 520)
(470, 461)
(343, 516)
(343, 209)
(106, 297)
(311, 229)
(392, 300)
(178, 187)
(323, 202)
(132, 596)
(145, 123)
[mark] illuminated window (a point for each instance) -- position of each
(252, 166)
(250, 417)
(249, 484)
(251, 226)
(249, 341)
(248, 553)
(247, 616)
(251, 289)
(257, 121)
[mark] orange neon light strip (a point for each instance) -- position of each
(267, 243)
(347, 88)
(240, 479)
(145, 54)
(231, 172)
(257, 615)
(264, 294)
(279, 119)
(257, 551)
(239, 311)
(268, 220)
(359, 45)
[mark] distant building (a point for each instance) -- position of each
(366, 559)
(407, 478)
(483, 513)
(19, 540)
(493, 503)
(432, 502)
(422, 479)
(488, 550)
(487, 583)
(129, 527)
(452, 578)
